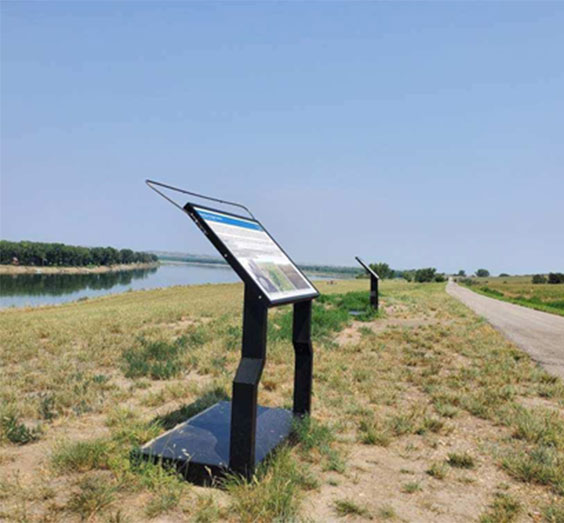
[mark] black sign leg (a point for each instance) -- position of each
(304, 358)
(245, 385)
(374, 291)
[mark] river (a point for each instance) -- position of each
(25, 290)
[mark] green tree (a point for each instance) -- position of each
(383, 270)
(57, 254)
(555, 277)
(539, 278)
(482, 273)
(461, 273)
(126, 256)
(425, 275)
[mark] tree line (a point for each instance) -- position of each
(553, 277)
(385, 272)
(41, 254)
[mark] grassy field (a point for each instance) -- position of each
(422, 413)
(520, 290)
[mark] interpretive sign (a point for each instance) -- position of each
(235, 436)
(262, 259)
(374, 278)
(367, 267)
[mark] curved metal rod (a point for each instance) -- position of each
(150, 183)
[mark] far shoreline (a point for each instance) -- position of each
(98, 269)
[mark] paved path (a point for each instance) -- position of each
(541, 334)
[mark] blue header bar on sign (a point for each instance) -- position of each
(228, 220)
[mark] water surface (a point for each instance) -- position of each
(46, 289)
(24, 290)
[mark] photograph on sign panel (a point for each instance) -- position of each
(259, 255)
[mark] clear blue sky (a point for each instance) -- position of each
(421, 134)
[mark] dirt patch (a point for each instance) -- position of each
(353, 333)
(395, 479)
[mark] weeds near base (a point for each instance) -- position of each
(162, 502)
(461, 461)
(504, 509)
(554, 513)
(93, 495)
(17, 432)
(411, 487)
(373, 434)
(274, 493)
(80, 456)
(541, 465)
(347, 507)
(437, 471)
(386, 512)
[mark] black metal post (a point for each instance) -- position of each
(374, 291)
(245, 385)
(303, 370)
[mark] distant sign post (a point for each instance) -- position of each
(236, 436)
(374, 278)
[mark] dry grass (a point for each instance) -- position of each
(425, 413)
(522, 291)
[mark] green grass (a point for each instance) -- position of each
(437, 471)
(414, 389)
(411, 487)
(17, 432)
(348, 507)
(81, 456)
(275, 492)
(541, 465)
(504, 509)
(554, 513)
(521, 291)
(371, 433)
(159, 360)
(92, 496)
(330, 314)
(461, 461)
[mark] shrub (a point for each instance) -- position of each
(462, 461)
(425, 275)
(346, 507)
(17, 432)
(539, 278)
(408, 275)
(555, 277)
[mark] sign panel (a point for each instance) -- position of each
(259, 255)
(367, 267)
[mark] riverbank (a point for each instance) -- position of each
(30, 269)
